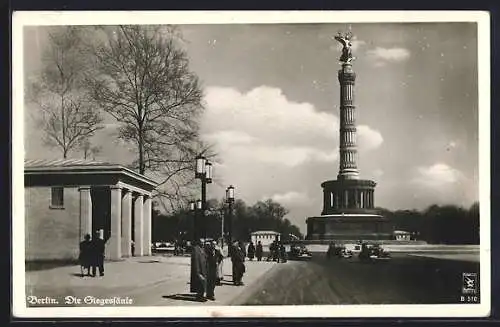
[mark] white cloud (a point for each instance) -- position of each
(437, 175)
(369, 138)
(452, 145)
(269, 144)
(111, 125)
(266, 114)
(229, 137)
(356, 44)
(291, 198)
(378, 173)
(272, 128)
(381, 55)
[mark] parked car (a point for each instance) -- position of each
(353, 248)
(373, 252)
(299, 252)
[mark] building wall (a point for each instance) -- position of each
(51, 234)
(265, 239)
(402, 237)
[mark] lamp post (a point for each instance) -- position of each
(204, 174)
(230, 201)
(192, 209)
(222, 227)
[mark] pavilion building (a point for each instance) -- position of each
(67, 199)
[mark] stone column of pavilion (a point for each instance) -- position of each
(348, 152)
(118, 245)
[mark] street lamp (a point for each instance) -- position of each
(230, 201)
(204, 174)
(200, 166)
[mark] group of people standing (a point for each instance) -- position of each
(206, 266)
(255, 251)
(92, 255)
(206, 269)
(277, 252)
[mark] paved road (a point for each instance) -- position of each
(403, 280)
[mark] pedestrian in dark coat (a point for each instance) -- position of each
(85, 256)
(237, 259)
(97, 250)
(198, 271)
(243, 249)
(259, 251)
(273, 251)
(251, 251)
(282, 255)
(211, 270)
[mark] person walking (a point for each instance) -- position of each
(198, 271)
(259, 251)
(97, 250)
(243, 249)
(232, 253)
(237, 260)
(85, 256)
(211, 270)
(220, 261)
(241, 254)
(282, 255)
(272, 251)
(251, 251)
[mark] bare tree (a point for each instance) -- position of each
(67, 117)
(143, 80)
(89, 150)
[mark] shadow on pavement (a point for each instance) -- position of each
(48, 264)
(184, 297)
(149, 261)
(79, 275)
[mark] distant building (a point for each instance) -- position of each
(265, 237)
(66, 199)
(401, 235)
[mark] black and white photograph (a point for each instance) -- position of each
(263, 164)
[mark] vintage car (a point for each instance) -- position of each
(299, 252)
(373, 252)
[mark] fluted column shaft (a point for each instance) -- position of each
(348, 151)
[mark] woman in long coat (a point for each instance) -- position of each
(198, 270)
(259, 251)
(251, 251)
(219, 255)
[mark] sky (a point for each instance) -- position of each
(271, 99)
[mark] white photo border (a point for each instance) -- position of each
(34, 18)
